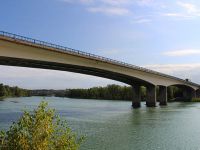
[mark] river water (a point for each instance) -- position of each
(114, 125)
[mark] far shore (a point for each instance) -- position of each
(170, 101)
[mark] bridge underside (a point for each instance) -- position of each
(151, 92)
(9, 61)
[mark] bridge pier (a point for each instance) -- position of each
(136, 102)
(151, 96)
(162, 95)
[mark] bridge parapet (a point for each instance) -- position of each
(63, 49)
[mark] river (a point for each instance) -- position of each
(114, 125)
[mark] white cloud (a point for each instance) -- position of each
(176, 9)
(116, 2)
(109, 10)
(178, 15)
(189, 7)
(86, 1)
(142, 21)
(184, 11)
(190, 71)
(31, 78)
(171, 68)
(108, 7)
(184, 52)
(110, 53)
(145, 2)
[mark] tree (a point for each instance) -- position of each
(2, 90)
(40, 130)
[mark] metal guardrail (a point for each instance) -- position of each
(78, 52)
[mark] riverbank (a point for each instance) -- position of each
(3, 97)
(195, 100)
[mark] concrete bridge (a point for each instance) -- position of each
(17, 50)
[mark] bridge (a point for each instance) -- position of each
(16, 50)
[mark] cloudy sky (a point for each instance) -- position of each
(163, 35)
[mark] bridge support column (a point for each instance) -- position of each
(151, 96)
(136, 102)
(162, 95)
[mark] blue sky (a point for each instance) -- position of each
(160, 35)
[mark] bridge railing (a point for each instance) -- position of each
(73, 51)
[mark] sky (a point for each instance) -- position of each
(161, 35)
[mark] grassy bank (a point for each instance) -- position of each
(195, 100)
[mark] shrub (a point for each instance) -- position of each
(39, 130)
(195, 99)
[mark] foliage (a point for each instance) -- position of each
(45, 92)
(6, 91)
(116, 92)
(174, 92)
(39, 130)
(195, 100)
(112, 92)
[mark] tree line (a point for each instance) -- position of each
(7, 91)
(116, 92)
(109, 92)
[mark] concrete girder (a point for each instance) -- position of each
(19, 49)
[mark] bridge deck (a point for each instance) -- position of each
(42, 44)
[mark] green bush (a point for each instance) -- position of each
(195, 99)
(39, 130)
